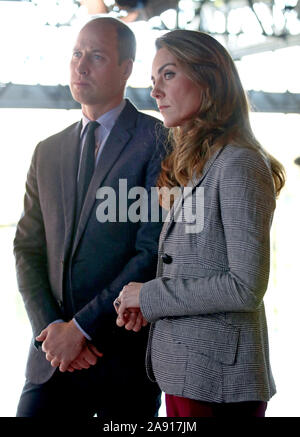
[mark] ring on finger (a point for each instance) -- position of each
(117, 302)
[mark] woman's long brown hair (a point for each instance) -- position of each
(223, 117)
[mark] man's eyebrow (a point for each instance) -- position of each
(162, 67)
(78, 49)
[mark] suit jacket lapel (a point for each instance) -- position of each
(116, 142)
(69, 170)
(178, 204)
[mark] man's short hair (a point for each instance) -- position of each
(125, 36)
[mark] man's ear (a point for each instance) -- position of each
(127, 66)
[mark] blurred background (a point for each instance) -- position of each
(263, 37)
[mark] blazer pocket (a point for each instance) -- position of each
(208, 335)
(189, 270)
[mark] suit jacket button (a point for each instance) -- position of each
(167, 259)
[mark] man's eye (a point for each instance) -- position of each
(76, 54)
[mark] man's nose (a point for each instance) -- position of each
(82, 66)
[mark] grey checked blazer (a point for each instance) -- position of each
(209, 340)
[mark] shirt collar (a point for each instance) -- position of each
(106, 120)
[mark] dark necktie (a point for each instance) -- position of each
(87, 165)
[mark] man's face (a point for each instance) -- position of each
(97, 79)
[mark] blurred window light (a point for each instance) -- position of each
(37, 37)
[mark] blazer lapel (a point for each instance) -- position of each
(176, 209)
(69, 170)
(196, 181)
(115, 144)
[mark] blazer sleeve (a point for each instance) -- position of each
(31, 258)
(95, 316)
(246, 201)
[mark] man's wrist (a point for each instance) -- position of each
(86, 335)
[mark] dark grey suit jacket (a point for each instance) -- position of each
(209, 339)
(97, 259)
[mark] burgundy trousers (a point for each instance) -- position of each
(183, 407)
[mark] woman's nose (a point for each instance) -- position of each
(156, 92)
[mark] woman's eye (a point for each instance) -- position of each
(169, 75)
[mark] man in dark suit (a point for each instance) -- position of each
(70, 264)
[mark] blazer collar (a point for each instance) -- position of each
(177, 206)
(69, 169)
(197, 180)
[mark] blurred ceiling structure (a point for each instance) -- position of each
(247, 26)
(244, 27)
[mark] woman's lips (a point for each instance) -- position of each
(162, 107)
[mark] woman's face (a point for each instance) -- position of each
(178, 98)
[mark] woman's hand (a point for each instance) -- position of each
(128, 307)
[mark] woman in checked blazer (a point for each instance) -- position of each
(208, 346)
